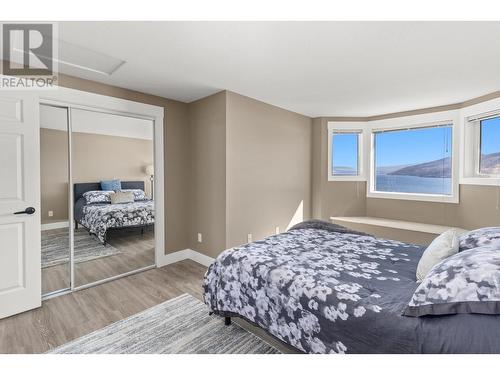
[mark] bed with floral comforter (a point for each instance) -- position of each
(99, 218)
(322, 288)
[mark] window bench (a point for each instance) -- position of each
(408, 231)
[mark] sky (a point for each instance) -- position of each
(396, 147)
(345, 148)
(490, 136)
(411, 147)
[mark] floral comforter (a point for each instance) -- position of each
(98, 218)
(324, 289)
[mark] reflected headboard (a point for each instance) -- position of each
(80, 188)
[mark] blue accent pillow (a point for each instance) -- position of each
(115, 185)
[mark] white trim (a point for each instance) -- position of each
(76, 99)
(111, 278)
(201, 258)
(183, 255)
(485, 181)
(71, 201)
(413, 197)
(55, 225)
(396, 224)
(348, 127)
(174, 257)
(100, 103)
(470, 118)
(91, 122)
(411, 122)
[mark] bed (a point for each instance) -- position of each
(100, 218)
(322, 288)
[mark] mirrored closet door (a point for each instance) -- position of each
(97, 198)
(113, 207)
(54, 191)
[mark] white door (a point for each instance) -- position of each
(20, 281)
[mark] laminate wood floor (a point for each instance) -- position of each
(137, 251)
(62, 319)
(65, 318)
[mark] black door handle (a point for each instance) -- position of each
(28, 211)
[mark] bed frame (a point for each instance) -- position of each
(80, 188)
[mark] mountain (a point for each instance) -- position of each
(490, 163)
(391, 168)
(440, 168)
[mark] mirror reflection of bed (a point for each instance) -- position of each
(126, 245)
(114, 230)
(110, 238)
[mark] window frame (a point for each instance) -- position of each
(471, 149)
(478, 140)
(347, 128)
(415, 122)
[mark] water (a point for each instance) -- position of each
(413, 184)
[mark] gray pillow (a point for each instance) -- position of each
(442, 247)
(467, 282)
(480, 237)
(122, 197)
(139, 194)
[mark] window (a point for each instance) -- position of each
(489, 146)
(481, 145)
(345, 154)
(414, 161)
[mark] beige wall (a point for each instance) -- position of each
(268, 161)
(196, 164)
(97, 157)
(207, 173)
(54, 174)
(92, 162)
(177, 154)
(250, 170)
(477, 208)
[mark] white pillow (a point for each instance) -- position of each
(443, 246)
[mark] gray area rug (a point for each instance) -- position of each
(179, 325)
(55, 247)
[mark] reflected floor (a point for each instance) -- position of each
(127, 250)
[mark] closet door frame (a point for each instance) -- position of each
(68, 289)
(76, 99)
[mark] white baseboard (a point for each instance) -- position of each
(201, 258)
(55, 225)
(185, 254)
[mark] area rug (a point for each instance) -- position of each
(55, 247)
(179, 325)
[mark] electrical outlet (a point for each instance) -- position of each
(249, 237)
(277, 230)
(51, 213)
(200, 237)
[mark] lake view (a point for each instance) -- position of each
(413, 184)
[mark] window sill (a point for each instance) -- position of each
(396, 224)
(487, 181)
(346, 178)
(414, 197)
